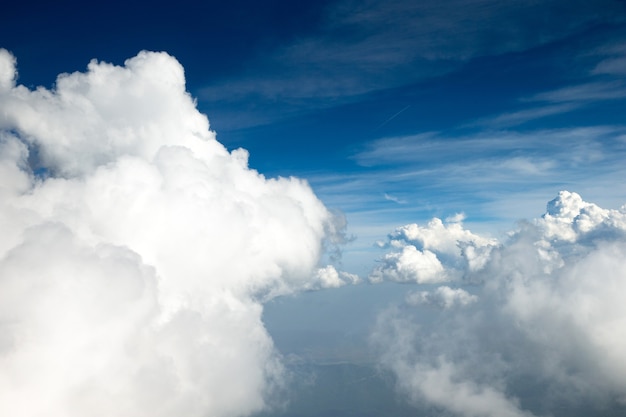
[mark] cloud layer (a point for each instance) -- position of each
(543, 332)
(136, 250)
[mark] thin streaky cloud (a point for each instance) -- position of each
(363, 47)
(615, 66)
(520, 117)
(441, 148)
(594, 91)
(614, 61)
(393, 117)
(394, 199)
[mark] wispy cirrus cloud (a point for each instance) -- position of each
(366, 46)
(395, 199)
(556, 102)
(613, 59)
(615, 66)
(478, 164)
(593, 91)
(602, 81)
(438, 149)
(519, 117)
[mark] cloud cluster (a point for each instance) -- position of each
(435, 253)
(543, 332)
(136, 251)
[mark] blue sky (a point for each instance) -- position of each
(476, 112)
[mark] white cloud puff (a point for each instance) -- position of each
(569, 218)
(442, 297)
(136, 251)
(329, 277)
(410, 265)
(546, 334)
(435, 253)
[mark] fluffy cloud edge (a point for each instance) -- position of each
(545, 309)
(137, 251)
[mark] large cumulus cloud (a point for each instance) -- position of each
(543, 331)
(136, 250)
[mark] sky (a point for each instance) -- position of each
(197, 197)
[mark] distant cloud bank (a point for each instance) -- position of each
(543, 330)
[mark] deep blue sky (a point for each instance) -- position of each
(395, 111)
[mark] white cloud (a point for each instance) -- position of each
(435, 253)
(522, 116)
(615, 66)
(442, 297)
(592, 91)
(410, 265)
(8, 74)
(569, 218)
(389, 197)
(131, 111)
(508, 175)
(563, 100)
(546, 333)
(441, 386)
(614, 61)
(329, 277)
(136, 250)
(509, 151)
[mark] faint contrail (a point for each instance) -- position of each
(392, 117)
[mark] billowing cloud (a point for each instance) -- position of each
(545, 331)
(410, 265)
(136, 251)
(435, 253)
(329, 277)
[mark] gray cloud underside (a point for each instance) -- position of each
(543, 333)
